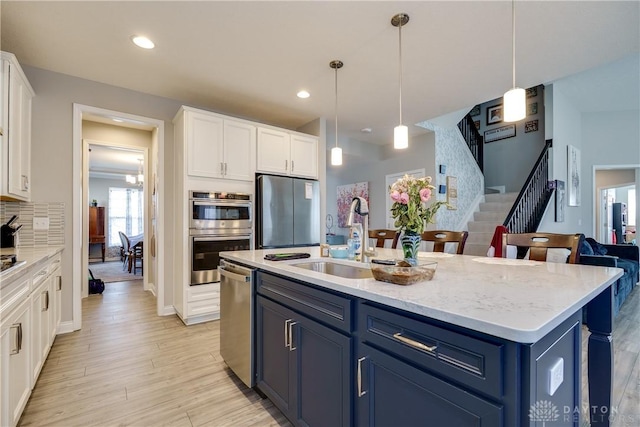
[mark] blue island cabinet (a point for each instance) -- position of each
(330, 359)
(303, 365)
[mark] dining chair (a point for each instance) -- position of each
(441, 237)
(126, 251)
(382, 235)
(137, 259)
(540, 243)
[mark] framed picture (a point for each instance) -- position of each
(476, 123)
(502, 132)
(573, 175)
(452, 193)
(494, 114)
(531, 126)
(559, 201)
(532, 109)
(345, 194)
(532, 92)
(475, 111)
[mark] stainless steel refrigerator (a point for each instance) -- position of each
(287, 212)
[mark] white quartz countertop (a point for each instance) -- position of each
(518, 300)
(30, 255)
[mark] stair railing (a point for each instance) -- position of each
(529, 207)
(472, 137)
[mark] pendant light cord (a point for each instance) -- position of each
(513, 40)
(336, 106)
(400, 61)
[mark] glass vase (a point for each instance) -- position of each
(410, 241)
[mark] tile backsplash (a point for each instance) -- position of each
(26, 211)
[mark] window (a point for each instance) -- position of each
(631, 206)
(125, 213)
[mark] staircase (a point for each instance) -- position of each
(492, 213)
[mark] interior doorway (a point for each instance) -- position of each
(616, 187)
(154, 184)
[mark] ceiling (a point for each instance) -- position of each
(113, 162)
(249, 59)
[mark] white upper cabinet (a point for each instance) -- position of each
(239, 150)
(219, 148)
(15, 117)
(287, 153)
(304, 155)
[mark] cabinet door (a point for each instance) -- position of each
(304, 156)
(56, 303)
(322, 374)
(273, 356)
(19, 136)
(204, 137)
(392, 393)
(239, 150)
(16, 349)
(273, 151)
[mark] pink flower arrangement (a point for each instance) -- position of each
(409, 195)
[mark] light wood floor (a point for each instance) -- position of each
(129, 367)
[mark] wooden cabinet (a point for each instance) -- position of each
(15, 118)
(16, 363)
(96, 227)
(303, 365)
(218, 147)
(286, 153)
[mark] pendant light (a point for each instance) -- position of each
(514, 100)
(400, 132)
(336, 152)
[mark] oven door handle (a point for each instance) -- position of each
(220, 238)
(233, 276)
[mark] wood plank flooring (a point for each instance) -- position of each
(129, 367)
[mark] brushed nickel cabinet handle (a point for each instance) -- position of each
(59, 284)
(286, 332)
(47, 301)
(16, 340)
(286, 165)
(291, 347)
(291, 165)
(225, 168)
(414, 343)
(221, 168)
(360, 391)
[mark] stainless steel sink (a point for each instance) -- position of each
(335, 269)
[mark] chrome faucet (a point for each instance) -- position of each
(360, 206)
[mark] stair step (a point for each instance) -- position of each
(475, 249)
(480, 238)
(495, 207)
(482, 226)
(497, 217)
(501, 197)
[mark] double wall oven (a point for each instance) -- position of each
(218, 222)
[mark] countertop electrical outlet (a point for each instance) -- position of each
(556, 376)
(41, 223)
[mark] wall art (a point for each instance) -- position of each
(494, 114)
(531, 126)
(345, 194)
(502, 132)
(532, 109)
(532, 92)
(475, 111)
(573, 175)
(559, 200)
(452, 193)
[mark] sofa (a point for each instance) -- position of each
(622, 256)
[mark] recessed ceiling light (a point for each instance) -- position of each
(118, 120)
(366, 130)
(142, 42)
(303, 94)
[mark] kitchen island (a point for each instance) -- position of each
(487, 341)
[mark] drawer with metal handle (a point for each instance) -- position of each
(463, 358)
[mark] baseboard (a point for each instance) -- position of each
(65, 328)
(168, 310)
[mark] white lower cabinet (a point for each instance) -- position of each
(203, 300)
(29, 319)
(16, 363)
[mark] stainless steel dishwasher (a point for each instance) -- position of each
(236, 319)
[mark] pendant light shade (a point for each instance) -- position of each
(336, 152)
(400, 132)
(515, 100)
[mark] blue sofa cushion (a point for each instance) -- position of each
(585, 248)
(598, 249)
(630, 268)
